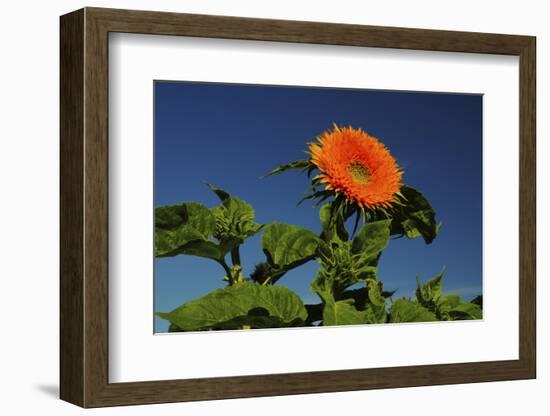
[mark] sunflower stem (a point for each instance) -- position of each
(236, 256)
(227, 271)
(357, 218)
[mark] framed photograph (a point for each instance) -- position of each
(257, 207)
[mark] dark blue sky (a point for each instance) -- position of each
(230, 135)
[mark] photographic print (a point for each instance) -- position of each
(291, 206)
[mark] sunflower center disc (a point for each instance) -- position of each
(359, 172)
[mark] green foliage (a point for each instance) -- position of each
(219, 192)
(464, 311)
(428, 294)
(431, 305)
(347, 281)
(414, 217)
(445, 308)
(332, 222)
(235, 220)
(447, 303)
(377, 305)
(192, 215)
(188, 229)
(343, 313)
(303, 164)
(478, 300)
(287, 246)
(243, 305)
(345, 263)
(193, 229)
(347, 312)
(371, 239)
(404, 310)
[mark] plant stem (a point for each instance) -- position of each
(227, 270)
(236, 256)
(357, 218)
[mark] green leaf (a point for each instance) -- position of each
(348, 311)
(343, 313)
(348, 262)
(174, 328)
(252, 321)
(345, 263)
(219, 192)
(478, 300)
(297, 164)
(242, 304)
(404, 310)
(430, 292)
(177, 226)
(466, 311)
(169, 217)
(332, 222)
(450, 301)
(446, 304)
(375, 293)
(209, 249)
(415, 217)
(372, 239)
(377, 306)
(201, 218)
(287, 246)
(187, 229)
(265, 272)
(235, 220)
(191, 214)
(340, 268)
(173, 243)
(168, 242)
(449, 307)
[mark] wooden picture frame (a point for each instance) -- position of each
(84, 207)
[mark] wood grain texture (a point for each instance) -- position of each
(528, 208)
(96, 208)
(71, 208)
(84, 207)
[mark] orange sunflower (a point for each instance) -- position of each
(358, 166)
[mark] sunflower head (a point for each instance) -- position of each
(356, 166)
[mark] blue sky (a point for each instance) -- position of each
(230, 135)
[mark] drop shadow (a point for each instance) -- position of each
(51, 390)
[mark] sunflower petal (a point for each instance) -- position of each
(358, 166)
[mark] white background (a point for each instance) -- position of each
(135, 60)
(29, 212)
